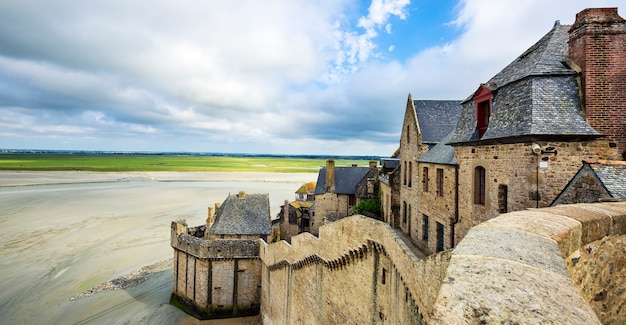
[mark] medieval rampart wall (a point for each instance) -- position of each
(358, 270)
(552, 265)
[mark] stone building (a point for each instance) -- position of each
(389, 182)
(338, 189)
(217, 271)
(294, 218)
(306, 192)
(522, 135)
(426, 123)
(596, 181)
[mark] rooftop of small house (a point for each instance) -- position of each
(243, 214)
(436, 118)
(346, 179)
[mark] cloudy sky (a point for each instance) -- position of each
(285, 77)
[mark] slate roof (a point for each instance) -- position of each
(612, 175)
(442, 153)
(389, 163)
(249, 215)
(436, 118)
(536, 95)
(346, 179)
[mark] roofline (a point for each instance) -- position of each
(528, 138)
(532, 75)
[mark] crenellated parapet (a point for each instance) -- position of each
(363, 262)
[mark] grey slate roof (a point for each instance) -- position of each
(436, 118)
(389, 163)
(346, 179)
(536, 95)
(442, 153)
(246, 216)
(613, 177)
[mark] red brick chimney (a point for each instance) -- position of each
(597, 44)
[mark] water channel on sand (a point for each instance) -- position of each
(67, 238)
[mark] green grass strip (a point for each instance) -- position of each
(127, 163)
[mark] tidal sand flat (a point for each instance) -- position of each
(93, 248)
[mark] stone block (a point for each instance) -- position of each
(564, 230)
(513, 245)
(488, 290)
(595, 223)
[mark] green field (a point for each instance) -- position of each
(183, 163)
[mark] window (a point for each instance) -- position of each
(479, 185)
(503, 192)
(440, 182)
(404, 212)
(425, 228)
(404, 173)
(482, 98)
(440, 237)
(408, 134)
(483, 112)
(383, 279)
(425, 178)
(410, 173)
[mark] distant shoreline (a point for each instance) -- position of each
(184, 153)
(33, 160)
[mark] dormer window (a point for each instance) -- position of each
(482, 99)
(483, 112)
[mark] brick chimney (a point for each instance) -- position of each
(597, 45)
(330, 176)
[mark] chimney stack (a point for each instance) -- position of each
(373, 164)
(597, 45)
(330, 176)
(242, 194)
(209, 219)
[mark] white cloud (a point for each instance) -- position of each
(256, 75)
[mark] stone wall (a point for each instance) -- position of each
(440, 209)
(599, 271)
(512, 269)
(216, 278)
(358, 270)
(516, 167)
(331, 207)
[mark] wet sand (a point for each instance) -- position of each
(93, 248)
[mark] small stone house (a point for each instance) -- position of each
(295, 218)
(337, 191)
(306, 192)
(217, 270)
(596, 181)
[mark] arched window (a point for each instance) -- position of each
(479, 185)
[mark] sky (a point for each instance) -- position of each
(327, 77)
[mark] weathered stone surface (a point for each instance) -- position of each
(599, 271)
(513, 245)
(487, 290)
(564, 230)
